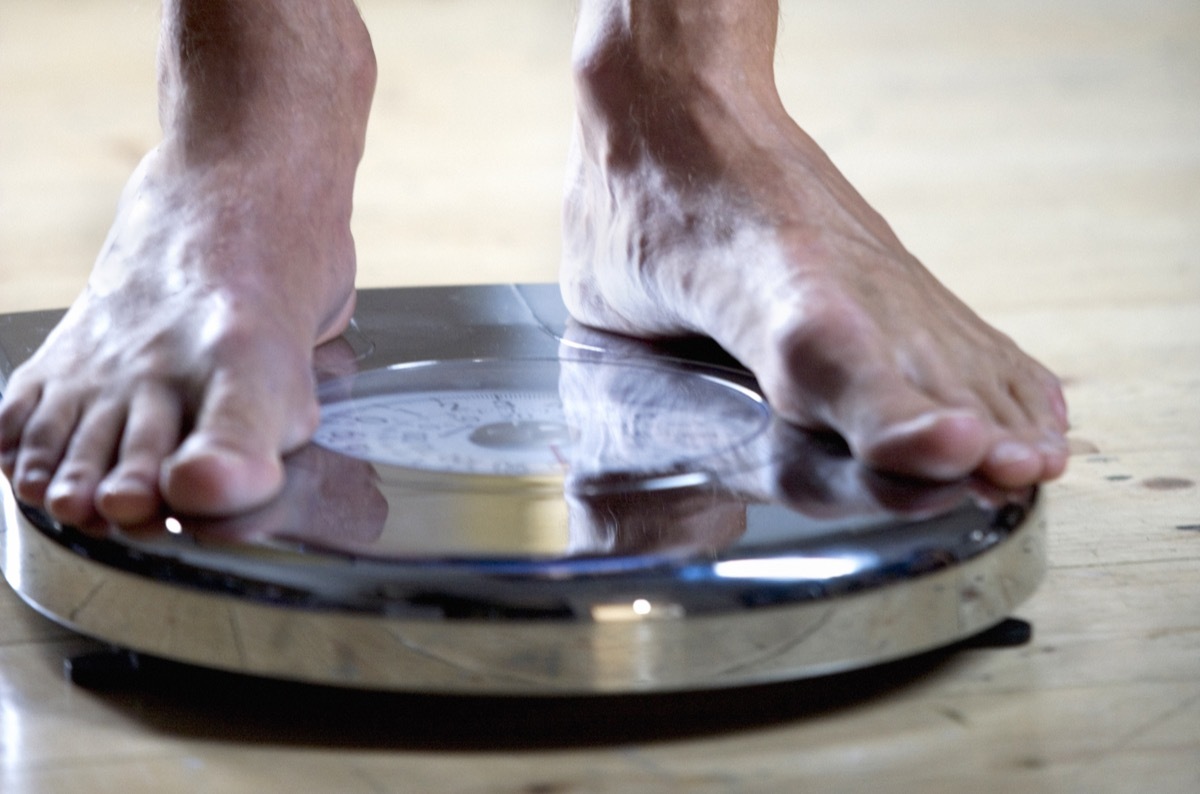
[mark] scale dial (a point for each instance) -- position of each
(539, 417)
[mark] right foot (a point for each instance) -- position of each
(182, 374)
(696, 205)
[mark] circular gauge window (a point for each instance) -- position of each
(521, 417)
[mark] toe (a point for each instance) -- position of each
(31, 481)
(1054, 457)
(70, 497)
(214, 475)
(1029, 417)
(15, 411)
(129, 494)
(840, 375)
(919, 438)
(232, 459)
(43, 442)
(1012, 463)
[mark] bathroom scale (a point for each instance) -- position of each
(500, 501)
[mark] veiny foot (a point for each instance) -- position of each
(175, 377)
(696, 205)
(183, 372)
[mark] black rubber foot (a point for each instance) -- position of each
(113, 668)
(1008, 633)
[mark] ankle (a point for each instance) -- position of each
(665, 57)
(270, 78)
(675, 87)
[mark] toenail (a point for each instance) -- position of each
(1007, 452)
(127, 487)
(31, 484)
(59, 492)
(35, 477)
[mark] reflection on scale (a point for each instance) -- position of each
(498, 501)
(589, 454)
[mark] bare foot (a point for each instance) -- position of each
(183, 371)
(696, 205)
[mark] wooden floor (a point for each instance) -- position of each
(1042, 157)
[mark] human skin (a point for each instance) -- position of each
(183, 370)
(694, 205)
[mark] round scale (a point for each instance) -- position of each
(498, 502)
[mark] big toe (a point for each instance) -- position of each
(210, 478)
(928, 441)
(232, 460)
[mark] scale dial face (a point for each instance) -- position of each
(539, 417)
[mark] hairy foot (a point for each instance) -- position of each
(170, 379)
(183, 371)
(696, 205)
